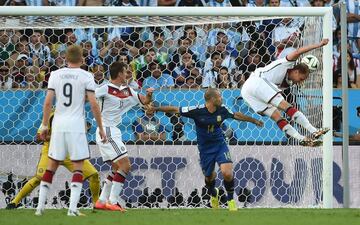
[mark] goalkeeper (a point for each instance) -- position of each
(260, 91)
(89, 172)
(211, 141)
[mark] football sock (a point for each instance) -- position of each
(229, 187)
(44, 188)
(289, 130)
(76, 186)
(210, 185)
(300, 118)
(105, 192)
(117, 186)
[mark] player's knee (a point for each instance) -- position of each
(269, 111)
(228, 175)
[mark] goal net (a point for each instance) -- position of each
(178, 55)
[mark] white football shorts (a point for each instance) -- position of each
(114, 149)
(69, 143)
(259, 92)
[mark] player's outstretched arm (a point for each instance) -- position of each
(97, 114)
(296, 54)
(148, 98)
(242, 117)
(44, 128)
(167, 109)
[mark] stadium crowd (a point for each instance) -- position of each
(190, 56)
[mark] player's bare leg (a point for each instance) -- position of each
(214, 192)
(301, 119)
(76, 186)
(227, 172)
(45, 185)
(124, 167)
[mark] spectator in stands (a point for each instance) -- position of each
(120, 3)
(184, 46)
(31, 76)
(218, 3)
(109, 54)
(67, 40)
(162, 47)
(64, 3)
(6, 82)
(222, 38)
(149, 128)
(295, 3)
(285, 38)
(197, 46)
(191, 83)
(252, 62)
(185, 69)
(99, 75)
(141, 64)
(158, 78)
(38, 49)
(18, 71)
(89, 57)
(190, 3)
(87, 34)
(124, 58)
(227, 60)
(223, 79)
(267, 26)
(353, 72)
(6, 47)
(321, 3)
(211, 75)
(256, 3)
(21, 47)
(166, 2)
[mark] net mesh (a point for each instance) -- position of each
(270, 170)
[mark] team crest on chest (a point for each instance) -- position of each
(218, 118)
(124, 93)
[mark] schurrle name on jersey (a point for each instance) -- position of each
(69, 76)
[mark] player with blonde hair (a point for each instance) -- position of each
(70, 86)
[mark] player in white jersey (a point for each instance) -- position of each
(261, 92)
(70, 86)
(116, 99)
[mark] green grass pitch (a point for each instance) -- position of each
(186, 217)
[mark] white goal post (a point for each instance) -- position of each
(8, 19)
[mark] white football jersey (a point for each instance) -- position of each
(115, 101)
(70, 86)
(276, 71)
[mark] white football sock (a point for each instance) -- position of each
(290, 130)
(44, 189)
(75, 195)
(115, 192)
(301, 119)
(105, 193)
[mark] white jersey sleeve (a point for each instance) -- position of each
(135, 97)
(101, 91)
(51, 82)
(276, 71)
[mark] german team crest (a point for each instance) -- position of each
(218, 118)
